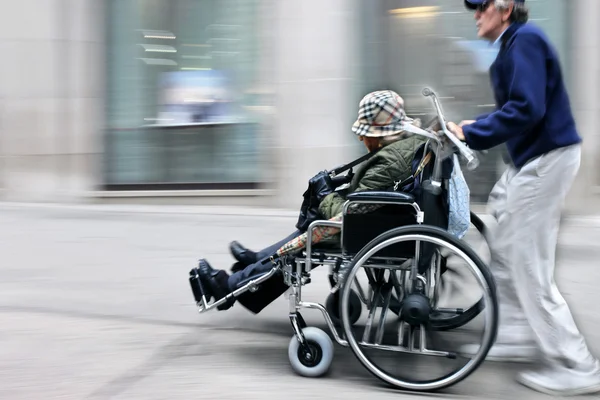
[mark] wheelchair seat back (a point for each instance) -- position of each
(397, 210)
(359, 229)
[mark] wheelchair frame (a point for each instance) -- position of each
(297, 274)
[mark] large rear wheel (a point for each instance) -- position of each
(406, 338)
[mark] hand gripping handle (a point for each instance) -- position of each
(465, 151)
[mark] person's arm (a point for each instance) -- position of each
(482, 116)
(526, 104)
(333, 204)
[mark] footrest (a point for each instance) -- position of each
(196, 285)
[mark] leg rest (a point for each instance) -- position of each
(244, 282)
(196, 285)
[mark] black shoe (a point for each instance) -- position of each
(242, 254)
(238, 266)
(214, 283)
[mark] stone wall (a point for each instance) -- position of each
(51, 100)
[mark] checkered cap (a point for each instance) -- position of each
(380, 114)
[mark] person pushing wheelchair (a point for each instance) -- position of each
(534, 119)
(380, 125)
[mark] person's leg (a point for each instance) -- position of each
(268, 291)
(268, 251)
(535, 198)
(246, 256)
(271, 289)
(220, 284)
(513, 327)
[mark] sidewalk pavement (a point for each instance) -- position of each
(95, 304)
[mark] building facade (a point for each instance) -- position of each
(239, 102)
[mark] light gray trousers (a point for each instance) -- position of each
(527, 204)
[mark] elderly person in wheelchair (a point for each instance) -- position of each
(403, 215)
(379, 126)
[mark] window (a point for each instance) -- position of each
(183, 87)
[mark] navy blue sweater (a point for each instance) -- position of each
(533, 115)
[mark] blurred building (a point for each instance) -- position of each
(241, 101)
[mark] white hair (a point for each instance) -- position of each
(520, 12)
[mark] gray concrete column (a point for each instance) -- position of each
(316, 50)
(584, 57)
(51, 81)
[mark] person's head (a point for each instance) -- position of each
(381, 119)
(494, 16)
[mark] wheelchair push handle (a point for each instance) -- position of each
(472, 160)
(464, 150)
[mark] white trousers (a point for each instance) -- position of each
(526, 204)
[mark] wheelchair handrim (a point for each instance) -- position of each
(489, 334)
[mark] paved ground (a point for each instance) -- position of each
(96, 305)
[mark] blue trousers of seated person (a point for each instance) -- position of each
(269, 290)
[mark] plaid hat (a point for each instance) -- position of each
(380, 114)
(472, 4)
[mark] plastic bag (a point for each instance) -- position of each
(459, 196)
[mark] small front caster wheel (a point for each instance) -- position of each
(315, 358)
(332, 305)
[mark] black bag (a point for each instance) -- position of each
(319, 186)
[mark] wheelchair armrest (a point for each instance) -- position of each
(382, 196)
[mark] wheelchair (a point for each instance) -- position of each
(400, 251)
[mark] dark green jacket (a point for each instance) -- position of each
(391, 164)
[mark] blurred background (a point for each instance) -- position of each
(241, 101)
(223, 102)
